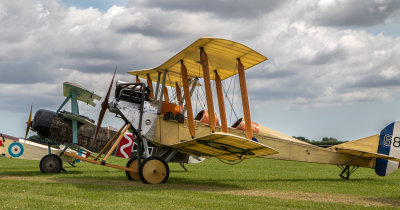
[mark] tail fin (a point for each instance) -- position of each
(389, 144)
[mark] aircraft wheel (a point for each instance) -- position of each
(50, 164)
(132, 163)
(154, 170)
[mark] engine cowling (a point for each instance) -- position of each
(41, 123)
(49, 124)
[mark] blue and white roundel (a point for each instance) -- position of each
(15, 149)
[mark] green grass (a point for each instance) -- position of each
(210, 184)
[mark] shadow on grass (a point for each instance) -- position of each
(395, 201)
(267, 180)
(32, 173)
(179, 171)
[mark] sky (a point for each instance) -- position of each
(333, 67)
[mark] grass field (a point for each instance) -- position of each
(253, 184)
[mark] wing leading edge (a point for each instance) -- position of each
(224, 146)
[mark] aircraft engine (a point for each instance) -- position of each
(49, 124)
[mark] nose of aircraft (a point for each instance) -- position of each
(42, 121)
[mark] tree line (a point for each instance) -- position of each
(323, 141)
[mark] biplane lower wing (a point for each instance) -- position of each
(365, 154)
(224, 146)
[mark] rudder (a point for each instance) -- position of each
(389, 144)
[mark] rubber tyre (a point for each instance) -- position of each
(154, 170)
(50, 164)
(132, 163)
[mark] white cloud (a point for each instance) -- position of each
(355, 13)
(311, 62)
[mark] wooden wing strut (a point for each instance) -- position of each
(245, 100)
(221, 104)
(150, 84)
(185, 81)
(178, 94)
(207, 86)
(137, 79)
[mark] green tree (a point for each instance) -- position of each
(302, 138)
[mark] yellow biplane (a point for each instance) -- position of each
(154, 118)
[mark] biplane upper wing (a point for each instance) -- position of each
(222, 55)
(224, 146)
(83, 94)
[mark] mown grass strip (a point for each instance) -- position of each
(256, 183)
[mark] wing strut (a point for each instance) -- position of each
(245, 100)
(185, 81)
(207, 86)
(178, 94)
(166, 97)
(221, 104)
(137, 79)
(150, 84)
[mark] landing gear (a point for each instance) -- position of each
(347, 171)
(132, 163)
(50, 164)
(154, 170)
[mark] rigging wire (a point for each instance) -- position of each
(233, 100)
(230, 103)
(201, 101)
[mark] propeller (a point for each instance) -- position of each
(29, 123)
(104, 106)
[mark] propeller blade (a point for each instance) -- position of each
(28, 123)
(104, 106)
(99, 121)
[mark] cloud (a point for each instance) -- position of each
(355, 13)
(221, 8)
(312, 63)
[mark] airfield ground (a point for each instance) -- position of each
(253, 184)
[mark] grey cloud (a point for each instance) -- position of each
(357, 13)
(28, 71)
(153, 30)
(267, 73)
(376, 81)
(146, 34)
(326, 56)
(20, 104)
(221, 8)
(270, 94)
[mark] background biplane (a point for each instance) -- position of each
(171, 126)
(67, 132)
(55, 128)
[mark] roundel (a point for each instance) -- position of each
(15, 149)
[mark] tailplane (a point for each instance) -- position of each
(389, 144)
